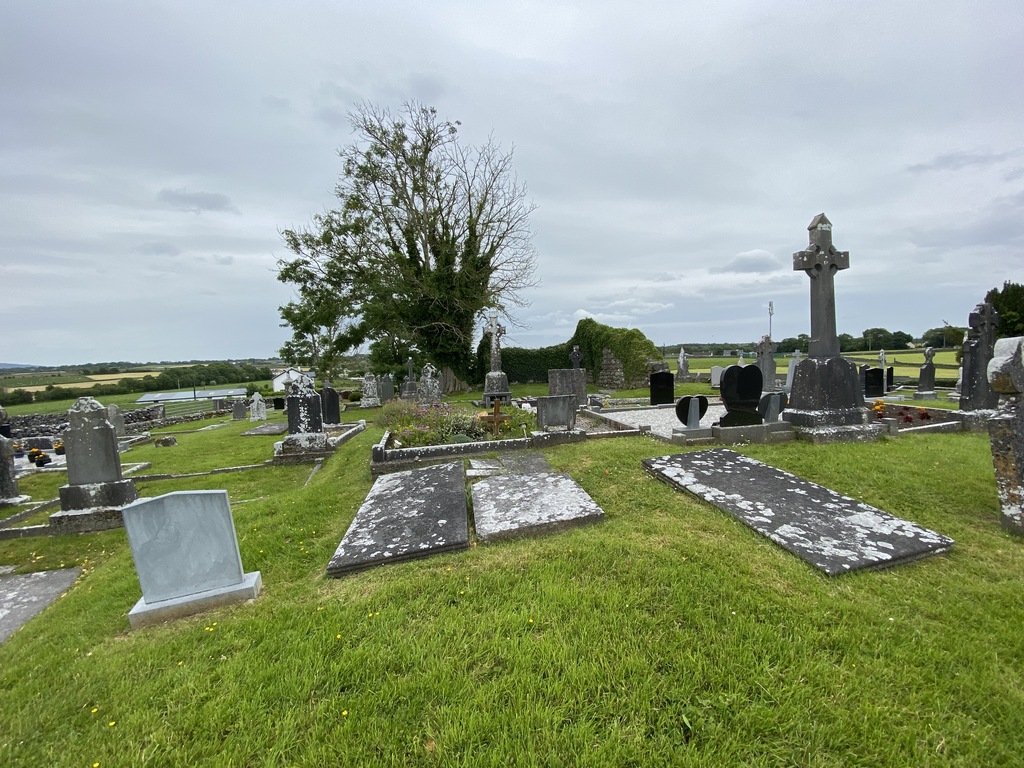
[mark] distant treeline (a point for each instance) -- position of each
(212, 374)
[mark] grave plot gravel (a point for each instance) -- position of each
(663, 420)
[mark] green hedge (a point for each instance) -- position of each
(524, 366)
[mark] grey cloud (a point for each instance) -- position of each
(954, 161)
(276, 103)
(751, 261)
(223, 260)
(196, 202)
(159, 249)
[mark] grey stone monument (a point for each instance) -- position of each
(116, 419)
(304, 413)
(237, 410)
(716, 375)
(186, 556)
(496, 381)
(975, 392)
(371, 395)
(430, 386)
(556, 411)
(409, 388)
(1005, 375)
(8, 479)
(566, 381)
(926, 377)
(826, 388)
(765, 351)
(386, 385)
(94, 465)
(575, 357)
(682, 366)
(330, 404)
(258, 408)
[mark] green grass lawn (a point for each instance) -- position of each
(669, 634)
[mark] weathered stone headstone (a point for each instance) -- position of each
(186, 555)
(94, 465)
(237, 410)
(371, 396)
(926, 377)
(975, 393)
(410, 390)
(386, 384)
(791, 370)
(716, 375)
(5, 425)
(765, 351)
(304, 413)
(556, 411)
(568, 381)
(741, 392)
(1005, 375)
(831, 532)
(682, 366)
(8, 479)
(116, 419)
(826, 389)
(430, 387)
(258, 409)
(662, 388)
(330, 404)
(691, 409)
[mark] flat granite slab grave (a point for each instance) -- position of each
(406, 515)
(22, 596)
(508, 506)
(832, 532)
(270, 428)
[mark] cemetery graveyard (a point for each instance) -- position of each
(314, 523)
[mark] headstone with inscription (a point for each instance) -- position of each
(765, 351)
(330, 404)
(238, 410)
(304, 413)
(94, 464)
(258, 408)
(430, 386)
(926, 377)
(386, 384)
(371, 396)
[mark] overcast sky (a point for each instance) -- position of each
(151, 153)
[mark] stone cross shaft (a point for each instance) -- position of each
(497, 331)
(821, 261)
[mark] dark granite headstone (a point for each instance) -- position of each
(386, 384)
(685, 410)
(330, 405)
(874, 382)
(508, 506)
(772, 405)
(304, 414)
(832, 532)
(663, 390)
(406, 515)
(741, 392)
(889, 386)
(237, 410)
(278, 403)
(926, 378)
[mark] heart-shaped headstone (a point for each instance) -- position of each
(741, 387)
(683, 407)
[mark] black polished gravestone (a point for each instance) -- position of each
(406, 515)
(771, 406)
(663, 388)
(691, 409)
(874, 382)
(832, 532)
(278, 403)
(330, 405)
(741, 392)
(889, 387)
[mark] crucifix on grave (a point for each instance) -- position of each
(495, 418)
(820, 260)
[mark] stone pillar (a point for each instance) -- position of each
(1005, 375)
(8, 480)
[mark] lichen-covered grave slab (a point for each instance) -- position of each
(22, 596)
(406, 515)
(830, 531)
(523, 505)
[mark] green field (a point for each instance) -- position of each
(669, 634)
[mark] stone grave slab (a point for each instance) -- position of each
(270, 428)
(832, 532)
(22, 596)
(510, 506)
(406, 515)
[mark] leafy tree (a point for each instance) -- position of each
(946, 336)
(849, 343)
(1009, 303)
(792, 344)
(428, 235)
(877, 338)
(901, 340)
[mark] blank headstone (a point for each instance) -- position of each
(716, 375)
(186, 555)
(556, 411)
(330, 405)
(874, 382)
(662, 388)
